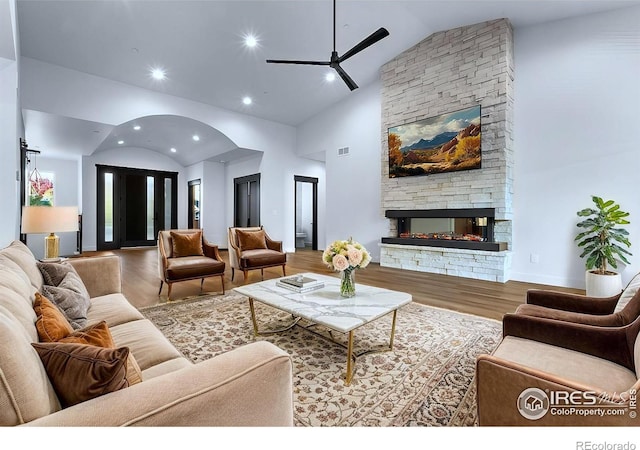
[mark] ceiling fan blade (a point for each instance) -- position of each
(312, 63)
(347, 79)
(374, 37)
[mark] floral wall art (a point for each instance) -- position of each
(40, 188)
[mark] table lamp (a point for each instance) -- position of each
(49, 219)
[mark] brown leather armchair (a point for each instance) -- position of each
(251, 248)
(186, 255)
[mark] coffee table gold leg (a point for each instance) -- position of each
(350, 360)
(253, 317)
(393, 329)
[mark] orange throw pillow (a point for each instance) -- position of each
(51, 324)
(251, 240)
(187, 244)
(80, 372)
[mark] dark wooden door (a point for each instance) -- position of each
(247, 201)
(133, 205)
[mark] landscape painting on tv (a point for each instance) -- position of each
(445, 143)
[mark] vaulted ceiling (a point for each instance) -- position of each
(200, 45)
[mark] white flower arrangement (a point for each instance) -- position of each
(346, 255)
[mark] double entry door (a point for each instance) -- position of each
(133, 205)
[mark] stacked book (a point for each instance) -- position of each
(300, 284)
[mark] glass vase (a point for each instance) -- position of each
(348, 283)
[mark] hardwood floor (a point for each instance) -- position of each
(482, 298)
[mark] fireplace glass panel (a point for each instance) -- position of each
(458, 228)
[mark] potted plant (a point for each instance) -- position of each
(603, 243)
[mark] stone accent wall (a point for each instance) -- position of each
(490, 266)
(446, 72)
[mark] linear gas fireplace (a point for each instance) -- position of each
(469, 228)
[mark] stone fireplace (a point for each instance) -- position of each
(448, 71)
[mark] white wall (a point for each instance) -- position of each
(66, 193)
(576, 119)
(213, 203)
(353, 181)
(10, 124)
(277, 192)
(138, 158)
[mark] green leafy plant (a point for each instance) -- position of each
(600, 240)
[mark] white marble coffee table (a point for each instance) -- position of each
(326, 307)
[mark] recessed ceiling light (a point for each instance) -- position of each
(195, 137)
(137, 127)
(330, 76)
(250, 40)
(247, 100)
(173, 150)
(120, 142)
(158, 73)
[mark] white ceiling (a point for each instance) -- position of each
(200, 45)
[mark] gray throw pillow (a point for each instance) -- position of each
(54, 273)
(71, 297)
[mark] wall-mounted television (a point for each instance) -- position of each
(445, 143)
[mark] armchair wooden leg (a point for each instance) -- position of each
(233, 271)
(284, 273)
(262, 274)
(246, 275)
(160, 290)
(222, 282)
(201, 283)
(169, 291)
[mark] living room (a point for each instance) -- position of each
(571, 105)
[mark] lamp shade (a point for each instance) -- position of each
(49, 219)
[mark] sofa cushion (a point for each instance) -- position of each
(251, 240)
(186, 244)
(21, 309)
(148, 345)
(25, 391)
(71, 297)
(113, 309)
(14, 278)
(51, 324)
(22, 256)
(80, 372)
(628, 293)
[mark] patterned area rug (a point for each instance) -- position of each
(427, 380)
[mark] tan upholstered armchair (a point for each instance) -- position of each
(186, 255)
(251, 248)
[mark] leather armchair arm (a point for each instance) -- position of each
(211, 250)
(273, 245)
(612, 343)
(572, 302)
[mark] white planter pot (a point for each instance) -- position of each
(603, 285)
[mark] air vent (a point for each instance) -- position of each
(344, 151)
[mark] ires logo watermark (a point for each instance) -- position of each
(534, 403)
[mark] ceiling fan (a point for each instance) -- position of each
(335, 60)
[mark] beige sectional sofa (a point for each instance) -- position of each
(249, 386)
